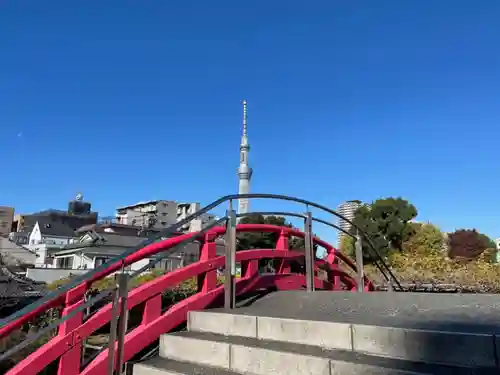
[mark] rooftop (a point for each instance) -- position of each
(144, 203)
(14, 286)
(54, 228)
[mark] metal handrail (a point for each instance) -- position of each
(53, 325)
(157, 258)
(102, 295)
(293, 214)
(163, 255)
(172, 230)
(283, 213)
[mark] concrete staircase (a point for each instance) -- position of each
(324, 333)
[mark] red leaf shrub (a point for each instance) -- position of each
(467, 244)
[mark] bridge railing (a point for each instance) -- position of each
(76, 308)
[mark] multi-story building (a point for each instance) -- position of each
(155, 214)
(6, 219)
(77, 215)
(160, 214)
(348, 210)
(196, 225)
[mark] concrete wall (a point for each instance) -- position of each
(49, 275)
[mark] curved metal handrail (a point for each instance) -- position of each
(293, 214)
(171, 230)
(157, 258)
(283, 213)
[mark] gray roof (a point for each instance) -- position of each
(107, 240)
(15, 255)
(86, 228)
(113, 239)
(51, 228)
(12, 289)
(91, 249)
(15, 286)
(51, 211)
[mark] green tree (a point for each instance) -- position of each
(347, 246)
(386, 221)
(255, 240)
(263, 240)
(468, 244)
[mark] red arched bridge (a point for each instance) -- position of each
(83, 313)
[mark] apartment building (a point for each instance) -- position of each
(6, 219)
(157, 214)
(160, 214)
(196, 225)
(348, 210)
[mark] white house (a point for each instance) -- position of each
(47, 237)
(51, 233)
(94, 249)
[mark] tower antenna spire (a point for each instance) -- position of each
(244, 103)
(244, 170)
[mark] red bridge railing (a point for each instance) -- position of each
(66, 347)
(77, 322)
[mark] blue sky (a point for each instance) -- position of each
(134, 100)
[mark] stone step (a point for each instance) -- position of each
(161, 366)
(247, 355)
(430, 346)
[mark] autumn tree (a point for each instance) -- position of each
(425, 239)
(468, 244)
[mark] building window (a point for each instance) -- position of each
(99, 261)
(65, 262)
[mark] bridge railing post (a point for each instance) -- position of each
(112, 332)
(359, 263)
(309, 249)
(230, 271)
(118, 327)
(123, 279)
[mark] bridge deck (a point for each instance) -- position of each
(474, 313)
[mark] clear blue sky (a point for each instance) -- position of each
(136, 100)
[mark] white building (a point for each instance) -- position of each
(348, 210)
(50, 233)
(94, 249)
(160, 214)
(156, 214)
(196, 225)
(47, 237)
(88, 252)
